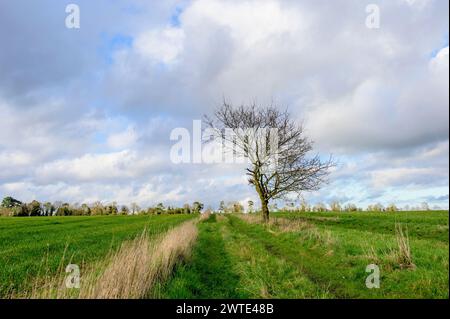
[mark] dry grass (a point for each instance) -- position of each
(290, 225)
(404, 256)
(5, 212)
(250, 218)
(204, 216)
(320, 237)
(393, 257)
(129, 273)
(281, 224)
(307, 230)
(220, 217)
(371, 254)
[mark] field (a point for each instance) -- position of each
(33, 246)
(298, 255)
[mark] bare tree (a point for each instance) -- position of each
(135, 208)
(273, 171)
(335, 206)
(250, 204)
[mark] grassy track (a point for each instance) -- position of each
(31, 246)
(327, 259)
(227, 263)
(262, 273)
(209, 273)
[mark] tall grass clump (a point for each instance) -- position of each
(404, 256)
(131, 272)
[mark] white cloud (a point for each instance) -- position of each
(15, 158)
(420, 4)
(124, 139)
(375, 98)
(440, 63)
(403, 176)
(96, 167)
(252, 25)
(163, 45)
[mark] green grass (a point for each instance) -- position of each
(324, 257)
(209, 273)
(262, 274)
(325, 260)
(421, 225)
(31, 246)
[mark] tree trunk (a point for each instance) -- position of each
(263, 199)
(265, 210)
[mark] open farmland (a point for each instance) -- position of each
(34, 246)
(316, 255)
(297, 255)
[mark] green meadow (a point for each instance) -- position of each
(326, 257)
(296, 255)
(37, 246)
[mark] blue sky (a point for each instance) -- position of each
(87, 113)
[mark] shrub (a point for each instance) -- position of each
(5, 211)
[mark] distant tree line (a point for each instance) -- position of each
(336, 206)
(232, 207)
(13, 207)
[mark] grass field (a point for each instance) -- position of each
(299, 255)
(317, 256)
(32, 246)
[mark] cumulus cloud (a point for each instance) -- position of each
(91, 167)
(88, 119)
(123, 139)
(161, 46)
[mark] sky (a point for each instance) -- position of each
(86, 113)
